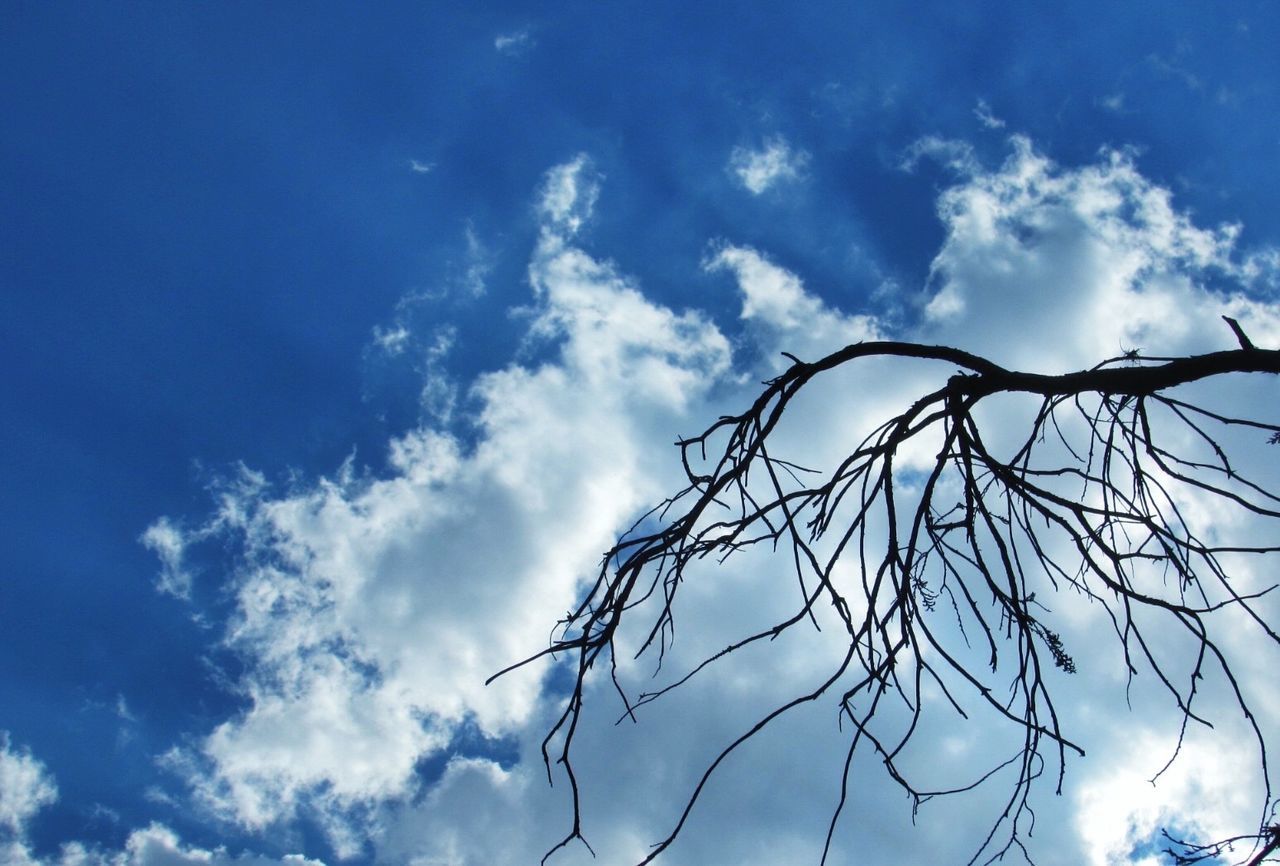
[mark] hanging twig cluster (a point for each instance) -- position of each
(950, 561)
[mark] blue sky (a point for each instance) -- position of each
(341, 339)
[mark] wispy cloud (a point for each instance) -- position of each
(953, 153)
(764, 167)
(1175, 68)
(568, 197)
(439, 394)
(479, 262)
(1114, 102)
(775, 299)
(985, 117)
(514, 43)
(393, 340)
(165, 540)
(421, 167)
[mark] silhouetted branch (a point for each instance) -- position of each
(1261, 847)
(1092, 499)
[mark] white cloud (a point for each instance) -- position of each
(983, 112)
(775, 299)
(479, 262)
(416, 340)
(956, 155)
(391, 340)
(515, 43)
(439, 393)
(371, 609)
(421, 167)
(157, 845)
(1205, 795)
(568, 196)
(165, 540)
(1091, 261)
(774, 162)
(26, 787)
(1261, 268)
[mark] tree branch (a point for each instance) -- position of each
(1089, 500)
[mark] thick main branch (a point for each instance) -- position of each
(987, 377)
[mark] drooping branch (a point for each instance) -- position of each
(1091, 499)
(1263, 846)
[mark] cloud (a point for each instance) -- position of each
(1114, 102)
(157, 845)
(568, 197)
(391, 340)
(479, 262)
(370, 611)
(370, 606)
(1174, 68)
(515, 43)
(26, 787)
(954, 154)
(1203, 796)
(421, 167)
(774, 298)
(439, 393)
(1032, 249)
(427, 354)
(773, 163)
(165, 540)
(983, 112)
(169, 541)
(416, 343)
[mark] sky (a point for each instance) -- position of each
(342, 339)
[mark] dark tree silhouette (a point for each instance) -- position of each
(1264, 846)
(947, 563)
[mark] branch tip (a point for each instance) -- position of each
(1245, 342)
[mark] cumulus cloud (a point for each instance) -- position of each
(371, 611)
(1204, 795)
(370, 607)
(765, 167)
(1097, 260)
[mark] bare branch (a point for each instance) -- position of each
(1090, 501)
